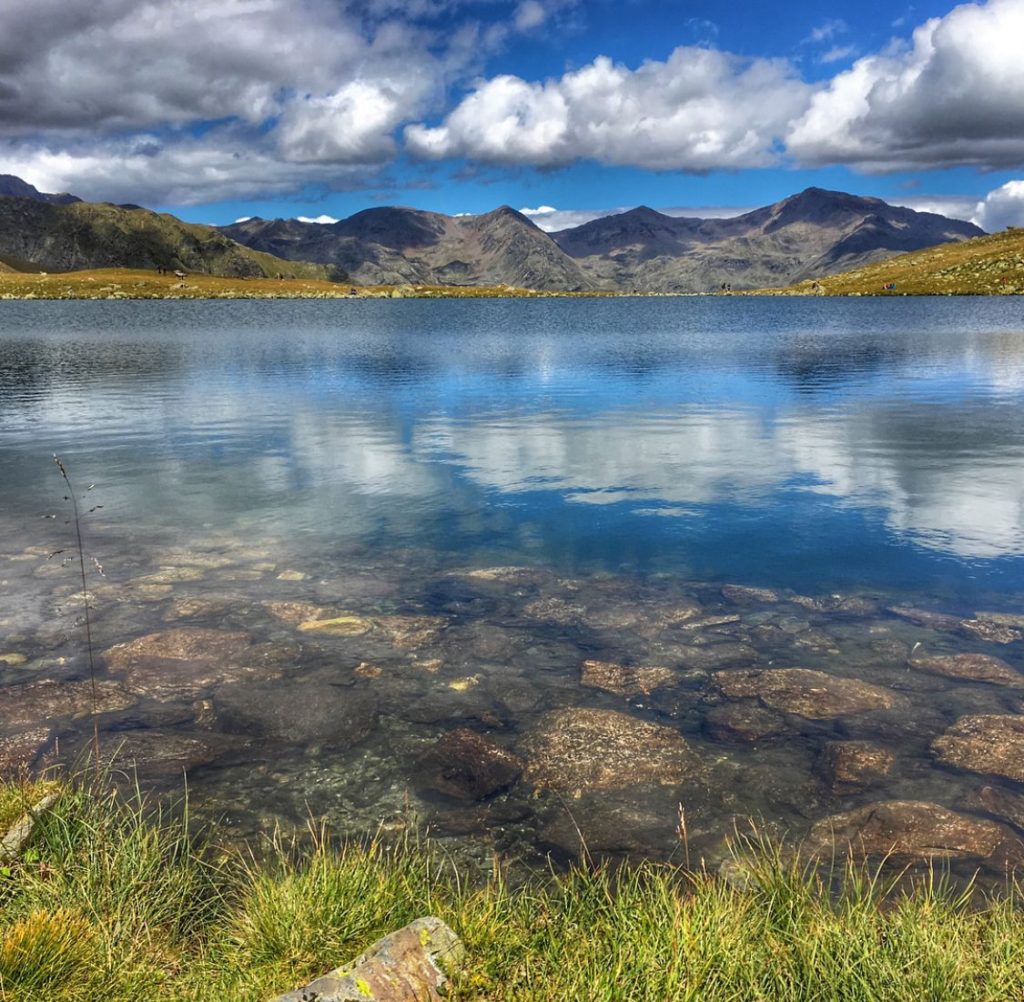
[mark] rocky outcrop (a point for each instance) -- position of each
(411, 965)
(579, 750)
(971, 668)
(913, 831)
(811, 694)
(469, 766)
(985, 743)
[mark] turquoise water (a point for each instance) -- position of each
(630, 456)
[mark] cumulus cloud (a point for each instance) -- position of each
(698, 110)
(953, 96)
(1001, 208)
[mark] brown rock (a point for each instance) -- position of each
(581, 749)
(973, 667)
(410, 632)
(170, 681)
(682, 611)
(555, 610)
(854, 765)
(909, 830)
(25, 706)
(18, 752)
(294, 613)
(987, 743)
(810, 694)
(183, 644)
(469, 766)
(158, 751)
(624, 680)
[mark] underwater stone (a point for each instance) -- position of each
(909, 830)
(972, 667)
(811, 694)
(742, 595)
(985, 743)
(18, 752)
(183, 644)
(927, 618)
(743, 723)
(411, 965)
(1003, 804)
(469, 766)
(624, 680)
(297, 714)
(26, 705)
(582, 749)
(990, 630)
(855, 765)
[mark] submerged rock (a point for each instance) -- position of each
(1003, 804)
(469, 766)
(19, 752)
(161, 751)
(410, 632)
(298, 714)
(927, 618)
(580, 749)
(624, 680)
(24, 706)
(348, 625)
(742, 595)
(745, 722)
(972, 667)
(994, 631)
(183, 644)
(986, 743)
(169, 681)
(855, 765)
(913, 831)
(811, 694)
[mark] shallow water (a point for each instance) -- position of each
(628, 458)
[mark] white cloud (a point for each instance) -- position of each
(827, 30)
(529, 14)
(837, 54)
(243, 219)
(954, 96)
(700, 109)
(322, 220)
(1001, 208)
(551, 219)
(952, 206)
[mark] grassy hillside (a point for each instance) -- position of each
(60, 238)
(111, 902)
(984, 266)
(123, 283)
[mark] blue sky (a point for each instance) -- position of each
(321, 107)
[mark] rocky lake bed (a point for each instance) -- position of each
(515, 712)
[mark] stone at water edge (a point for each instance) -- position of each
(411, 965)
(985, 743)
(18, 752)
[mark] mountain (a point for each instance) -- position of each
(37, 234)
(394, 245)
(14, 187)
(809, 235)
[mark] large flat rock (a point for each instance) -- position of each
(913, 831)
(811, 694)
(578, 749)
(183, 644)
(970, 668)
(23, 706)
(985, 743)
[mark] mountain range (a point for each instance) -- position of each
(809, 235)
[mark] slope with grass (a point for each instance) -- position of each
(985, 266)
(77, 235)
(114, 901)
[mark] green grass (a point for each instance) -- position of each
(114, 901)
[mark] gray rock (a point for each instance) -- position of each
(411, 965)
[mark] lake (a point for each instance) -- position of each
(525, 569)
